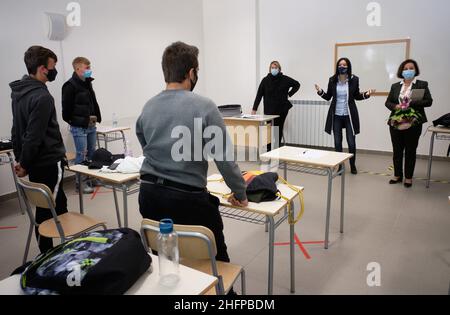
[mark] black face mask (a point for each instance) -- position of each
(51, 75)
(343, 70)
(193, 84)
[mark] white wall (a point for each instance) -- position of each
(230, 50)
(123, 39)
(301, 34)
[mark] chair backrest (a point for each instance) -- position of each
(194, 242)
(37, 194)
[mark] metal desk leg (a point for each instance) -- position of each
(19, 195)
(342, 196)
(98, 141)
(80, 192)
(267, 225)
(116, 203)
(292, 253)
(124, 142)
(271, 250)
(285, 171)
(430, 158)
(327, 223)
(125, 205)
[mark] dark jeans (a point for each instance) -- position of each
(339, 123)
(279, 122)
(405, 141)
(158, 202)
(51, 176)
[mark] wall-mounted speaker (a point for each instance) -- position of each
(57, 27)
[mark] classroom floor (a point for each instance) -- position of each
(406, 231)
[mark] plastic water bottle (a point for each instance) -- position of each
(128, 150)
(115, 121)
(168, 254)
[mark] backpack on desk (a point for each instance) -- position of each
(96, 263)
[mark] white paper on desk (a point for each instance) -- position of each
(312, 155)
(250, 116)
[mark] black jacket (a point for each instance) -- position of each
(275, 91)
(427, 100)
(79, 102)
(353, 95)
(35, 133)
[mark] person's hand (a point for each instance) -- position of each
(232, 199)
(253, 112)
(370, 92)
(398, 106)
(20, 171)
(318, 88)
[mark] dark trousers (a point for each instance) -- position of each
(405, 141)
(279, 122)
(341, 122)
(50, 176)
(158, 202)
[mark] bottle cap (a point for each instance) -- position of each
(166, 226)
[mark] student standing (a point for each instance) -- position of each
(37, 141)
(174, 187)
(275, 88)
(343, 90)
(406, 119)
(81, 111)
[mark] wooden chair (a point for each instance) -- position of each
(65, 226)
(197, 247)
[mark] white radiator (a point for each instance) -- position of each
(305, 124)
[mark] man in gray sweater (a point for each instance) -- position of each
(173, 130)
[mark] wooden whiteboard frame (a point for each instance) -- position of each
(406, 41)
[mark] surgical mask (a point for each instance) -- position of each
(87, 74)
(193, 84)
(275, 71)
(343, 70)
(409, 74)
(51, 75)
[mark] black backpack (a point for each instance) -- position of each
(443, 121)
(96, 263)
(261, 187)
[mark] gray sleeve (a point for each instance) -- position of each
(140, 133)
(224, 159)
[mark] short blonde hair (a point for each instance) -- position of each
(274, 63)
(80, 60)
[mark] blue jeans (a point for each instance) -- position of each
(85, 142)
(341, 122)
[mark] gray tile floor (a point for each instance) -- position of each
(407, 231)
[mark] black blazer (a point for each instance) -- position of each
(353, 95)
(419, 106)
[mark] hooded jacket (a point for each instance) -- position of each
(35, 133)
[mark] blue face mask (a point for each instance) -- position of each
(87, 74)
(409, 74)
(275, 72)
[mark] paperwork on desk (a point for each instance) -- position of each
(129, 165)
(312, 155)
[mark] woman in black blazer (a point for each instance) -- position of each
(343, 88)
(406, 119)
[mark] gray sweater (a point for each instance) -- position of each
(174, 115)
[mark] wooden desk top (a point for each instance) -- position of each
(319, 158)
(256, 118)
(271, 208)
(116, 178)
(110, 129)
(439, 129)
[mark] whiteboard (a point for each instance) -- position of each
(375, 63)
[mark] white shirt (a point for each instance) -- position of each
(405, 91)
